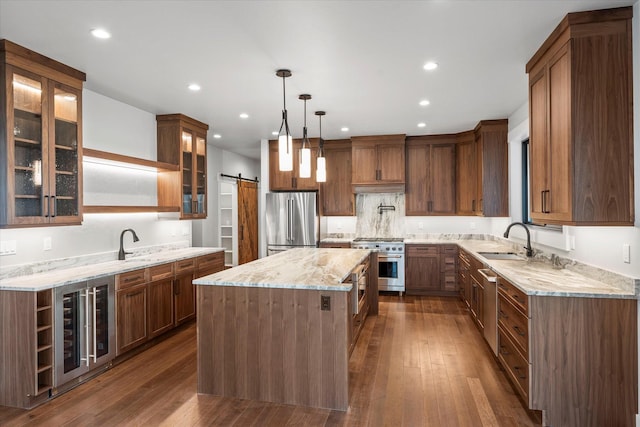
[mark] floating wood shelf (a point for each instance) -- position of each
(128, 209)
(128, 160)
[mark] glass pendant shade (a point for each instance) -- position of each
(285, 144)
(285, 152)
(305, 162)
(321, 170)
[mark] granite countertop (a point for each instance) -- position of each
(537, 276)
(65, 276)
(301, 268)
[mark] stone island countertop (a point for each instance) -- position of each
(301, 268)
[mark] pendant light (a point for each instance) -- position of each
(285, 146)
(305, 151)
(321, 167)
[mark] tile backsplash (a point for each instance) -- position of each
(380, 215)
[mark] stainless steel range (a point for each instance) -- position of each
(390, 261)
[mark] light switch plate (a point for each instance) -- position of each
(626, 253)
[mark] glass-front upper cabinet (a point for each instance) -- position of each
(190, 153)
(43, 134)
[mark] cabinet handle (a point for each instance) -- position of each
(542, 201)
(503, 315)
(518, 369)
(294, 182)
(430, 206)
(480, 209)
(518, 330)
(131, 279)
(473, 205)
(517, 298)
(503, 350)
(46, 203)
(55, 206)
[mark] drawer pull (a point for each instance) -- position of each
(518, 369)
(503, 350)
(131, 279)
(501, 286)
(503, 315)
(519, 331)
(517, 298)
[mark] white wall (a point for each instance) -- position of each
(206, 231)
(112, 126)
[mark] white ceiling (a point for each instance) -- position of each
(362, 61)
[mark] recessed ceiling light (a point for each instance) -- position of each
(421, 125)
(344, 129)
(194, 87)
(217, 136)
(100, 33)
(430, 66)
(274, 133)
(244, 116)
(424, 102)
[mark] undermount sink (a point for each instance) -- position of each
(502, 255)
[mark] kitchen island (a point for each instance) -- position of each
(279, 329)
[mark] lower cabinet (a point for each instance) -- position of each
(160, 301)
(574, 359)
(477, 302)
(430, 269)
(152, 301)
(337, 245)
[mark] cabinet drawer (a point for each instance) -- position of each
(513, 294)
(514, 323)
(210, 262)
(337, 245)
(449, 249)
(158, 272)
(516, 367)
(131, 278)
(185, 265)
(422, 250)
(447, 263)
(464, 258)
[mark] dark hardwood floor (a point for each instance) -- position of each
(420, 362)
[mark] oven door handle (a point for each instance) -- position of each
(389, 257)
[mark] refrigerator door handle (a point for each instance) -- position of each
(287, 235)
(292, 218)
(85, 294)
(93, 326)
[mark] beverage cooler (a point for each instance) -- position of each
(85, 327)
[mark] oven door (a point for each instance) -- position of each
(391, 272)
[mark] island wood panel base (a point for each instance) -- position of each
(274, 345)
(584, 360)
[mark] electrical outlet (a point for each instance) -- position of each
(472, 225)
(626, 253)
(46, 244)
(420, 225)
(325, 303)
(8, 247)
(339, 225)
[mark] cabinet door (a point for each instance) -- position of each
(442, 165)
(27, 180)
(336, 195)
(391, 162)
(417, 192)
(65, 188)
(200, 176)
(364, 164)
(160, 295)
(131, 327)
(558, 202)
(538, 169)
(422, 271)
(184, 298)
(465, 176)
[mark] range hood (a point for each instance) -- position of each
(378, 188)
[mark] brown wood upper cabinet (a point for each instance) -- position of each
(466, 173)
(431, 164)
(41, 139)
(291, 181)
(335, 194)
(580, 104)
(378, 163)
(492, 168)
(182, 141)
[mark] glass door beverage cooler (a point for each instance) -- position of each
(85, 327)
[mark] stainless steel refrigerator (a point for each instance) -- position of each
(291, 221)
